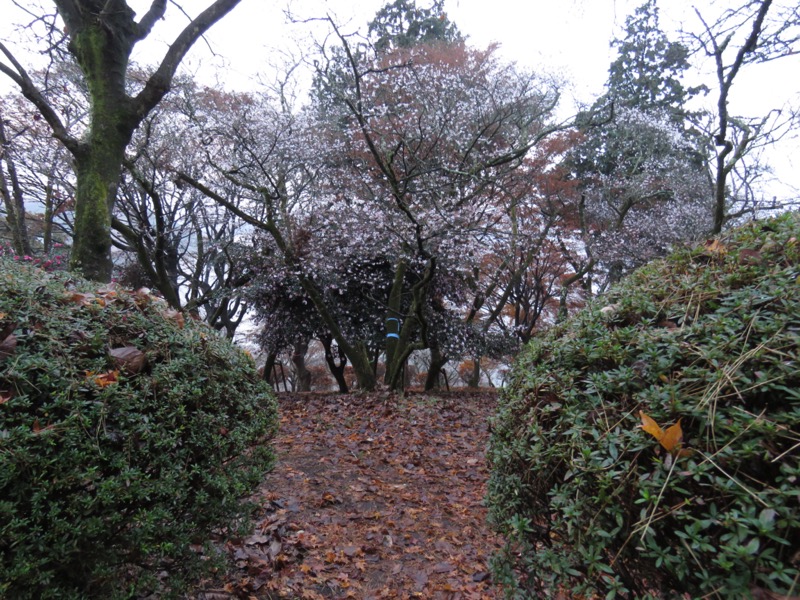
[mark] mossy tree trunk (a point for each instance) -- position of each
(102, 35)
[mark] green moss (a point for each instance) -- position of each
(593, 504)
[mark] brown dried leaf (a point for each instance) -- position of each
(420, 579)
(84, 299)
(8, 346)
(128, 358)
(176, 316)
(443, 567)
(750, 257)
(143, 297)
(7, 329)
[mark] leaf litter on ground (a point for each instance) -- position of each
(373, 496)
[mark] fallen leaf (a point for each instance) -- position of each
(142, 297)
(128, 358)
(443, 567)
(716, 247)
(750, 257)
(671, 439)
(175, 316)
(650, 426)
(80, 298)
(420, 579)
(8, 346)
(103, 379)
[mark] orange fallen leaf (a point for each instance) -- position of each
(84, 299)
(716, 247)
(671, 439)
(103, 379)
(175, 316)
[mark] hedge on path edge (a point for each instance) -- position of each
(127, 435)
(651, 444)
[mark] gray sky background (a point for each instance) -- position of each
(567, 38)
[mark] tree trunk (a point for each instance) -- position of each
(438, 361)
(269, 367)
(13, 198)
(394, 321)
(475, 378)
(102, 54)
(336, 369)
(303, 375)
(98, 175)
(720, 184)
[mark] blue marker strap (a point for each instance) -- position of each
(393, 335)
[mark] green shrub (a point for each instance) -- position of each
(126, 437)
(593, 504)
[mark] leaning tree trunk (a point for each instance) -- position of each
(475, 377)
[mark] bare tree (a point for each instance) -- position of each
(101, 36)
(755, 31)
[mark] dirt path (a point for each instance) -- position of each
(372, 497)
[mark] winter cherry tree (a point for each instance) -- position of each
(403, 162)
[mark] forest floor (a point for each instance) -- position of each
(372, 496)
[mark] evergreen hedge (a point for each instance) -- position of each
(594, 504)
(126, 436)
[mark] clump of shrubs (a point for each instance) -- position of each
(650, 446)
(128, 435)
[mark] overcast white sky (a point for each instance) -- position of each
(566, 37)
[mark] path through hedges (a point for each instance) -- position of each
(373, 496)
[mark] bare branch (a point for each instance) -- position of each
(146, 23)
(20, 76)
(159, 83)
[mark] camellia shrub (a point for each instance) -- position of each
(127, 436)
(650, 446)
